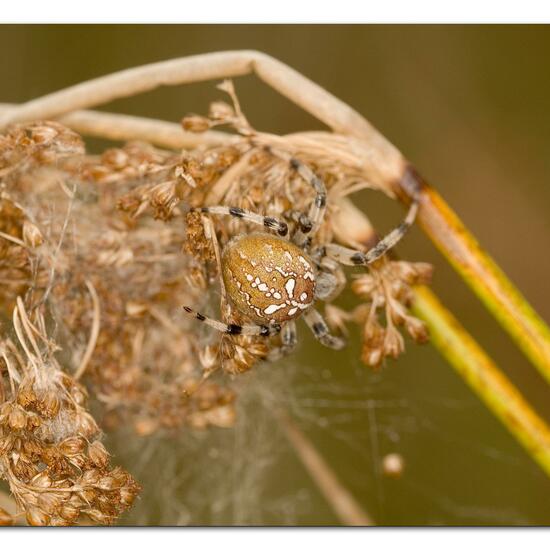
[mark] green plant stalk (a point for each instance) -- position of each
(483, 275)
(483, 376)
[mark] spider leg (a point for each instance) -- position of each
(271, 223)
(247, 330)
(321, 331)
(300, 219)
(289, 339)
(349, 256)
(316, 212)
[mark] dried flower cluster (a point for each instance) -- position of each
(50, 454)
(102, 250)
(388, 288)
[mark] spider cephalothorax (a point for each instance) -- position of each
(274, 279)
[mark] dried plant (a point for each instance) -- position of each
(98, 253)
(110, 265)
(50, 453)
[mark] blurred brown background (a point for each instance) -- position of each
(468, 105)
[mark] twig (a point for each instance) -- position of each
(94, 333)
(13, 239)
(340, 499)
(119, 127)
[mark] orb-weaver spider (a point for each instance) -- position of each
(272, 279)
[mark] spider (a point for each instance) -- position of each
(274, 278)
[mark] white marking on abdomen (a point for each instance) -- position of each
(289, 286)
(273, 308)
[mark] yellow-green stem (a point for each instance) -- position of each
(483, 275)
(484, 377)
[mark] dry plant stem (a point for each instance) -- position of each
(387, 166)
(484, 377)
(305, 93)
(119, 127)
(96, 324)
(342, 502)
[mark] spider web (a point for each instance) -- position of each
(461, 467)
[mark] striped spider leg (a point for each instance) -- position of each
(349, 256)
(309, 223)
(267, 221)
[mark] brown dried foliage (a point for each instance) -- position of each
(102, 248)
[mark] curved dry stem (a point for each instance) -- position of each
(117, 127)
(94, 333)
(98, 91)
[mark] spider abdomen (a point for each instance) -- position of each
(267, 278)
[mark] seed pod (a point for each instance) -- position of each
(6, 518)
(50, 404)
(79, 394)
(72, 446)
(41, 480)
(31, 235)
(127, 496)
(26, 396)
(69, 513)
(90, 477)
(86, 425)
(98, 454)
(57, 521)
(5, 411)
(195, 123)
(107, 483)
(89, 494)
(417, 329)
(48, 502)
(37, 517)
(17, 419)
(97, 516)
